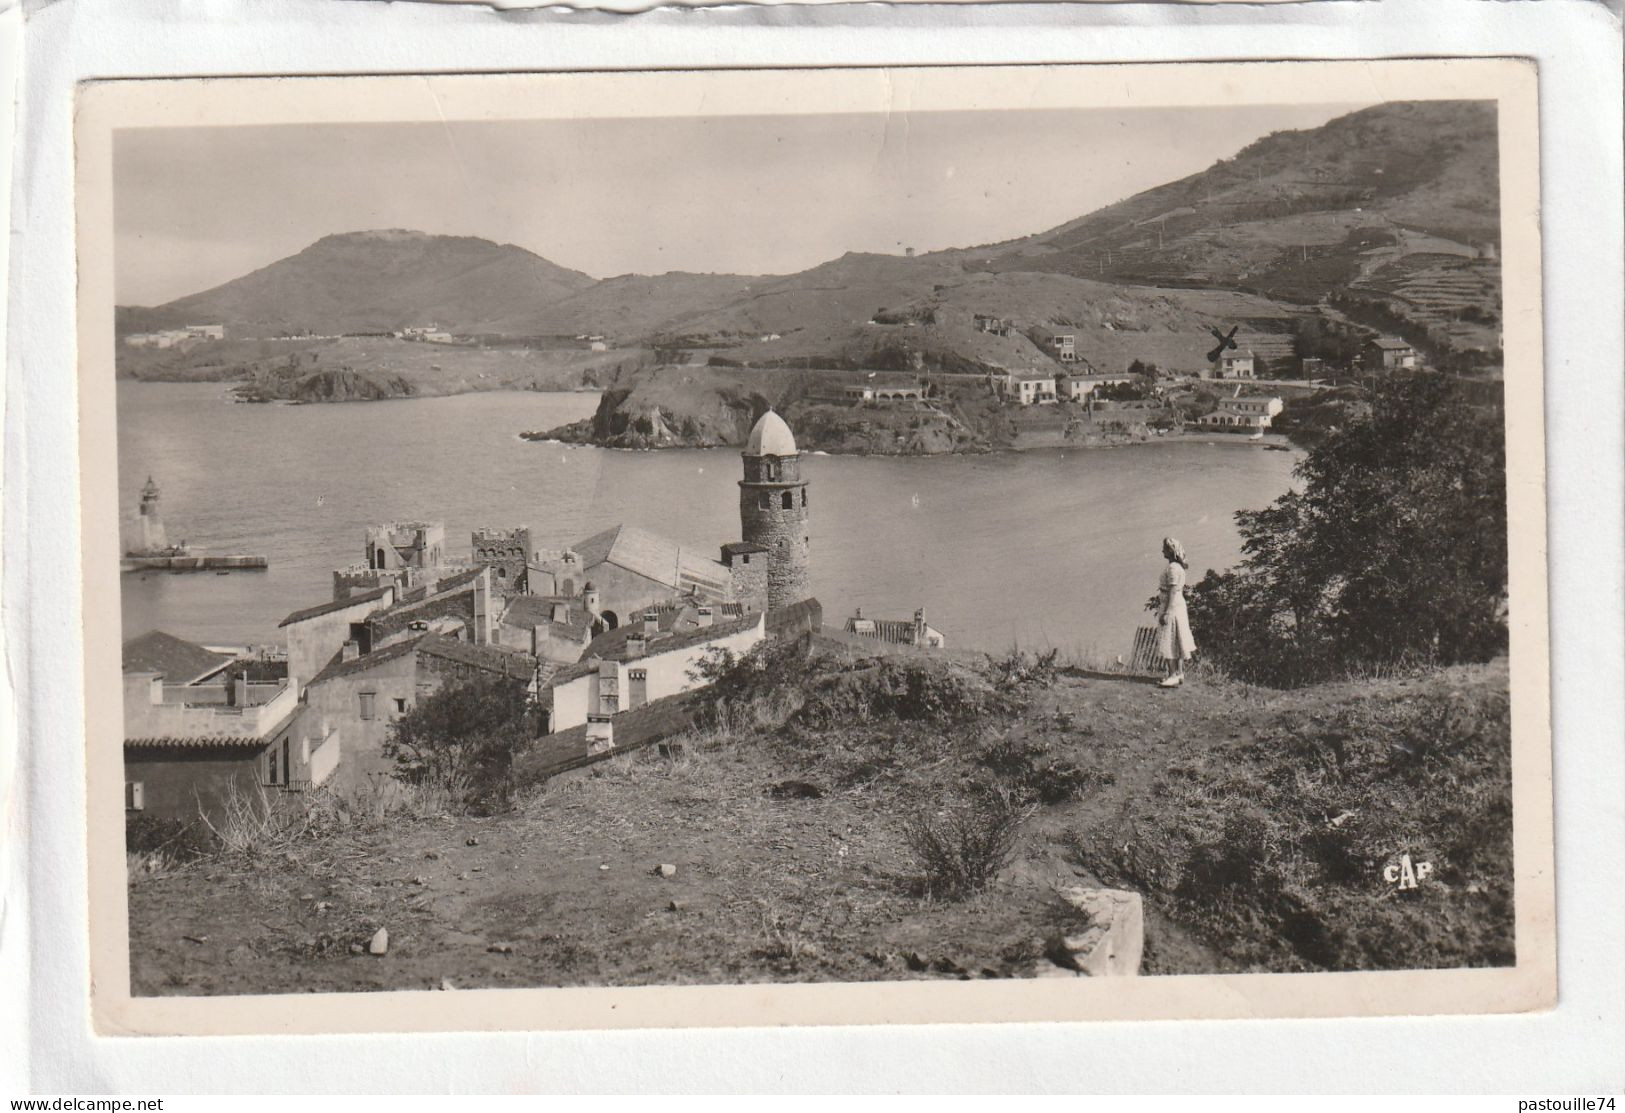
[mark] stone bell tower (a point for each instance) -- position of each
(773, 508)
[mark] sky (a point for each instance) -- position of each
(195, 207)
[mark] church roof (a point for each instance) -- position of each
(649, 555)
(771, 437)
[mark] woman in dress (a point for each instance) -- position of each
(1174, 641)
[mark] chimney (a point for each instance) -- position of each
(706, 617)
(651, 623)
(240, 691)
(352, 650)
(561, 612)
(636, 645)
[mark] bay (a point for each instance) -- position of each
(1037, 549)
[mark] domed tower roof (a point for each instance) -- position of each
(771, 437)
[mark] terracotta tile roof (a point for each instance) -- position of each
(180, 661)
(505, 662)
(489, 658)
(612, 646)
(568, 749)
(338, 667)
(1392, 343)
(211, 741)
(337, 605)
(526, 612)
(197, 742)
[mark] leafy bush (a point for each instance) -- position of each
(960, 849)
(1034, 774)
(1394, 552)
(180, 841)
(461, 740)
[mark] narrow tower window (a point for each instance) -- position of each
(788, 501)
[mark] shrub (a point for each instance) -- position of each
(178, 840)
(1394, 552)
(961, 849)
(1034, 774)
(460, 741)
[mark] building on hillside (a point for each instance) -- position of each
(1311, 367)
(897, 632)
(773, 508)
(1059, 346)
(1238, 364)
(640, 662)
(908, 391)
(365, 694)
(998, 326)
(1388, 353)
(316, 635)
(207, 332)
(193, 742)
(508, 554)
(554, 629)
(403, 555)
(1030, 388)
(1076, 388)
(461, 605)
(1239, 414)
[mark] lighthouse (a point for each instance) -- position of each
(152, 524)
(773, 508)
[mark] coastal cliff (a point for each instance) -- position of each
(693, 406)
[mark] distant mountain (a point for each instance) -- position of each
(374, 281)
(1295, 214)
(1387, 218)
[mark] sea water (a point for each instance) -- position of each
(1054, 548)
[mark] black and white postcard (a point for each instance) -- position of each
(822, 546)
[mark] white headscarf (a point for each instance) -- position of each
(1175, 550)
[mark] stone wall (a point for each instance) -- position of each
(765, 520)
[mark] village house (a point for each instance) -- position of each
(206, 332)
(1059, 346)
(1239, 364)
(998, 326)
(555, 629)
(315, 635)
(1388, 353)
(1029, 388)
(1239, 414)
(897, 632)
(460, 605)
(365, 694)
(1077, 388)
(194, 735)
(647, 660)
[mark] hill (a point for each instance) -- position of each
(1256, 824)
(373, 281)
(1300, 214)
(1386, 219)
